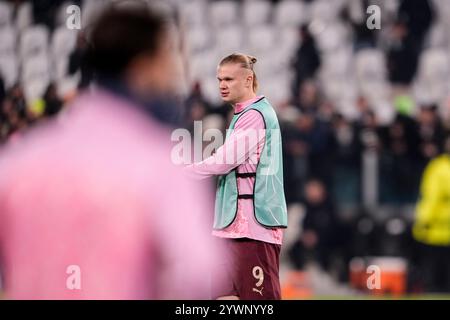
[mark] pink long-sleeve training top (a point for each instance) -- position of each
(245, 158)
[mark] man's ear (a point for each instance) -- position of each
(249, 80)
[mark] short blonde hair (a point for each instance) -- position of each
(245, 61)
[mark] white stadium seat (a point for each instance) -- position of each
(5, 14)
(194, 13)
(198, 39)
(331, 37)
(370, 65)
(9, 69)
(256, 12)
(24, 17)
(34, 41)
(434, 65)
(63, 42)
(230, 39)
(223, 13)
(202, 65)
(8, 43)
(431, 82)
(36, 76)
(289, 38)
(262, 38)
(290, 13)
(326, 11)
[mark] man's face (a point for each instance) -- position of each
(234, 82)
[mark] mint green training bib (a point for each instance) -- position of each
(268, 192)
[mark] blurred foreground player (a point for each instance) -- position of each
(250, 207)
(91, 207)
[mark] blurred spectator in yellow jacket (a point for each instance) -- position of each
(432, 223)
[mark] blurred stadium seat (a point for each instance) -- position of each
(256, 12)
